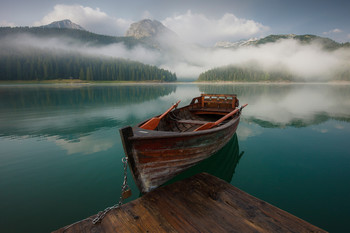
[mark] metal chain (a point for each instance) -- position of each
(125, 187)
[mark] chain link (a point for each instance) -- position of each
(125, 187)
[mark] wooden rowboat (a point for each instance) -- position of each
(162, 147)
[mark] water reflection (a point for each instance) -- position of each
(222, 164)
(85, 144)
(72, 115)
(60, 144)
(69, 112)
(73, 96)
(294, 105)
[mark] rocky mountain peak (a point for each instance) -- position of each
(147, 28)
(64, 24)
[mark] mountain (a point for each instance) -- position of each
(240, 43)
(327, 43)
(304, 39)
(79, 36)
(23, 58)
(64, 24)
(148, 29)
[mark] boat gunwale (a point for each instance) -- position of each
(152, 134)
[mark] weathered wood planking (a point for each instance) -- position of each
(179, 139)
(202, 203)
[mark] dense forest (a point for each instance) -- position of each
(45, 66)
(253, 73)
(244, 74)
(41, 65)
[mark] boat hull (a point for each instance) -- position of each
(155, 157)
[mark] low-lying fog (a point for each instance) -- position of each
(189, 60)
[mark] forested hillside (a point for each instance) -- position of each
(244, 74)
(24, 61)
(39, 65)
(254, 73)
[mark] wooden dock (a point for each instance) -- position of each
(202, 203)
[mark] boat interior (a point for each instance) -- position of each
(204, 109)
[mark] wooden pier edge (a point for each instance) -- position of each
(201, 203)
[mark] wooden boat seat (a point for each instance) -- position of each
(210, 111)
(194, 122)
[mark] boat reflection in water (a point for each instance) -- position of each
(222, 164)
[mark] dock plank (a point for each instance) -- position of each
(202, 203)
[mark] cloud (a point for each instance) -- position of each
(296, 104)
(4, 23)
(197, 28)
(309, 61)
(244, 131)
(147, 15)
(84, 145)
(23, 42)
(337, 30)
(91, 19)
(118, 50)
(306, 61)
(334, 31)
(194, 28)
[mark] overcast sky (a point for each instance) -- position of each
(201, 21)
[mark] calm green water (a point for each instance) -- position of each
(60, 150)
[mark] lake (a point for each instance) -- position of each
(60, 156)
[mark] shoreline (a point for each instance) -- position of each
(269, 82)
(84, 82)
(75, 81)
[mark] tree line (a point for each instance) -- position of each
(39, 65)
(253, 73)
(243, 74)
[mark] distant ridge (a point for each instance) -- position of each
(78, 35)
(64, 24)
(326, 43)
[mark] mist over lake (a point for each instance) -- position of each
(318, 59)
